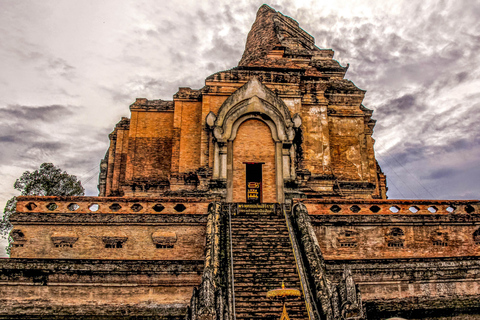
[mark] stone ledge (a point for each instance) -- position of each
(94, 265)
(41, 309)
(112, 219)
(404, 270)
(397, 219)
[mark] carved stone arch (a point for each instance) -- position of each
(254, 98)
(253, 101)
(253, 88)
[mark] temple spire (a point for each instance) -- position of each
(274, 35)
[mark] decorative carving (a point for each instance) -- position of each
(213, 300)
(18, 238)
(297, 120)
(164, 239)
(395, 238)
(210, 119)
(348, 238)
(341, 301)
(114, 242)
(64, 239)
(439, 238)
(476, 237)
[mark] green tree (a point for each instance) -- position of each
(49, 180)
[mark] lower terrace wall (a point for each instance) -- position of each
(432, 288)
(103, 258)
(97, 289)
(415, 259)
(119, 228)
(385, 229)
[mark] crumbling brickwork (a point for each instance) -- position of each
(170, 142)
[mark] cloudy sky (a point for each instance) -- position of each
(70, 69)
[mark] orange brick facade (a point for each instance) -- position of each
(321, 131)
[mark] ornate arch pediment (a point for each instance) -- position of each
(253, 100)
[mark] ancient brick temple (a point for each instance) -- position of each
(266, 175)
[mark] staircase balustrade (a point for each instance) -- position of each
(333, 301)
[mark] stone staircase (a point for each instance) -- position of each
(262, 259)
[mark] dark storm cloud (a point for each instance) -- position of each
(16, 134)
(44, 61)
(26, 132)
(441, 173)
(399, 107)
(221, 49)
(148, 87)
(41, 113)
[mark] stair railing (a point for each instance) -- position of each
(212, 300)
(332, 301)
(231, 279)
(313, 313)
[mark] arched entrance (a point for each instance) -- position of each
(253, 126)
(254, 163)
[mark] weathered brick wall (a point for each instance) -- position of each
(44, 288)
(93, 222)
(190, 134)
(345, 147)
(424, 288)
(316, 145)
(371, 242)
(117, 157)
(254, 143)
(209, 103)
(120, 159)
(150, 146)
(90, 245)
(386, 229)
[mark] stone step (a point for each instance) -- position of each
(266, 306)
(271, 315)
(279, 264)
(273, 250)
(266, 278)
(259, 225)
(262, 248)
(259, 244)
(256, 235)
(273, 259)
(251, 296)
(270, 268)
(262, 259)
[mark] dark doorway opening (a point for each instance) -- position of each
(254, 182)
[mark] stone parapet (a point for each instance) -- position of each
(111, 205)
(389, 207)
